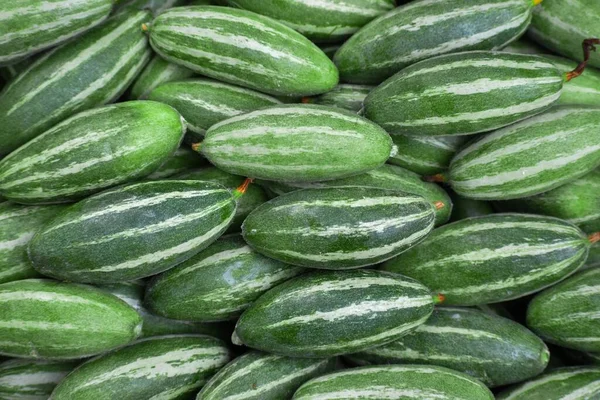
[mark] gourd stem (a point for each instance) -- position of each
(146, 27)
(439, 205)
(439, 178)
(594, 237)
(588, 46)
(196, 146)
(239, 192)
(439, 298)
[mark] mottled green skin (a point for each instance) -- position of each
(156, 6)
(561, 26)
(204, 102)
(108, 240)
(576, 383)
(167, 367)
(593, 259)
(326, 337)
(11, 71)
(333, 22)
(346, 96)
(303, 228)
(396, 382)
(425, 29)
(327, 143)
(31, 380)
(217, 284)
(30, 26)
(425, 155)
(577, 202)
(154, 325)
(252, 198)
(96, 323)
(402, 103)
(566, 140)
(183, 160)
(388, 177)
(479, 260)
(263, 376)
(157, 72)
(286, 63)
(585, 89)
(497, 352)
(140, 137)
(466, 208)
(17, 225)
(566, 313)
(86, 73)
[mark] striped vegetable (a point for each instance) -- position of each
(394, 382)
(29, 26)
(91, 151)
(297, 143)
(346, 96)
(494, 258)
(338, 228)
(243, 48)
(157, 72)
(156, 6)
(18, 224)
(593, 259)
(567, 313)
(204, 102)
(583, 90)
(86, 73)
(495, 350)
(262, 376)
(132, 232)
(182, 160)
(217, 284)
(573, 383)
(466, 208)
(385, 177)
(424, 29)
(46, 319)
(577, 202)
(464, 93)
(561, 26)
(167, 367)
(503, 165)
(322, 20)
(252, 198)
(327, 313)
(133, 294)
(31, 380)
(425, 155)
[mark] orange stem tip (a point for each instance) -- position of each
(196, 146)
(145, 27)
(242, 188)
(439, 298)
(440, 178)
(439, 205)
(536, 2)
(594, 237)
(306, 100)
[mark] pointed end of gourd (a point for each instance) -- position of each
(239, 192)
(306, 100)
(235, 339)
(146, 27)
(439, 205)
(438, 178)
(594, 237)
(196, 147)
(438, 298)
(536, 2)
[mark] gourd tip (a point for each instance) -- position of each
(242, 188)
(536, 2)
(594, 237)
(439, 205)
(196, 146)
(145, 27)
(306, 100)
(439, 178)
(439, 298)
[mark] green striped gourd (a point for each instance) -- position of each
(29, 26)
(425, 29)
(262, 376)
(394, 382)
(86, 73)
(464, 93)
(18, 224)
(31, 379)
(425, 155)
(572, 383)
(252, 198)
(300, 143)
(157, 72)
(525, 46)
(494, 258)
(466, 208)
(529, 157)
(338, 228)
(91, 151)
(583, 90)
(577, 202)
(156, 6)
(593, 259)
(41, 318)
(204, 102)
(495, 350)
(322, 20)
(327, 313)
(243, 48)
(347, 96)
(385, 177)
(132, 232)
(166, 367)
(217, 284)
(133, 294)
(182, 160)
(561, 26)
(566, 314)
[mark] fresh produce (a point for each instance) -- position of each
(466, 208)
(346, 96)
(494, 258)
(326, 313)
(425, 155)
(156, 6)
(184, 159)
(157, 72)
(583, 90)
(31, 379)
